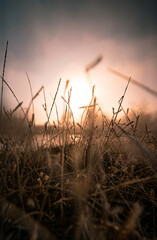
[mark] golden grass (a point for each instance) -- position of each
(90, 180)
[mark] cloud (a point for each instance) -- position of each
(120, 18)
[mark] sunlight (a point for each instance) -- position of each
(80, 96)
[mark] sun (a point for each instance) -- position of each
(81, 95)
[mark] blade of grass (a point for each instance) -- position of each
(4, 81)
(135, 82)
(3, 73)
(30, 86)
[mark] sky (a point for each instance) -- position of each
(53, 39)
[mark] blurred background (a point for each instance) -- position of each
(58, 39)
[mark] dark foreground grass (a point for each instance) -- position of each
(97, 184)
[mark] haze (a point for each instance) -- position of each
(57, 39)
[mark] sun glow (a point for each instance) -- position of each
(80, 95)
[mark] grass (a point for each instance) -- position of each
(90, 180)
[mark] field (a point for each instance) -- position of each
(90, 180)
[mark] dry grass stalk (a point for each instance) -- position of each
(49, 115)
(16, 108)
(3, 73)
(138, 84)
(13, 93)
(115, 114)
(30, 86)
